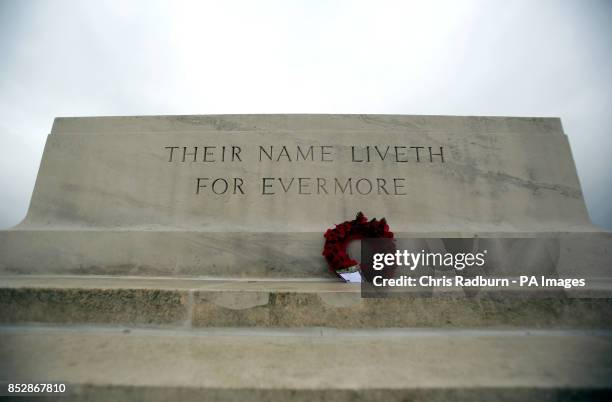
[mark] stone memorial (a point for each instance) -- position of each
(177, 226)
(242, 196)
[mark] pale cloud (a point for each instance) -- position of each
(521, 58)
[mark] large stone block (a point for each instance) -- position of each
(251, 195)
(193, 303)
(101, 364)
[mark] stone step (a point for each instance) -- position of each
(103, 363)
(196, 303)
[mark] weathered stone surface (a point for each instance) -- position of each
(108, 306)
(301, 122)
(114, 198)
(130, 177)
(197, 303)
(393, 365)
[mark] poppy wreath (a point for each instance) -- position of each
(338, 238)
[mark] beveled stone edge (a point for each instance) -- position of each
(302, 122)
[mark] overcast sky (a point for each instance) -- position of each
(514, 58)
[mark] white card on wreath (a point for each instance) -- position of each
(351, 274)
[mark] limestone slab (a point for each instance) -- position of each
(418, 180)
(511, 365)
(191, 303)
(251, 195)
